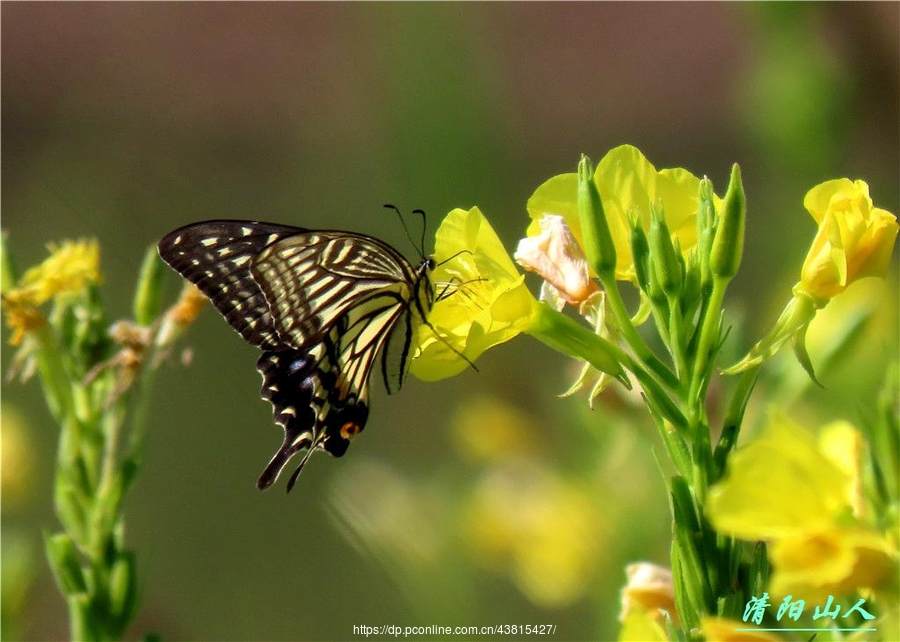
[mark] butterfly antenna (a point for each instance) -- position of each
(453, 256)
(421, 248)
(424, 228)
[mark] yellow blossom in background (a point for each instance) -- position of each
(482, 297)
(642, 626)
(628, 183)
(836, 561)
(18, 465)
(854, 240)
(786, 488)
(487, 428)
(722, 629)
(541, 529)
(69, 268)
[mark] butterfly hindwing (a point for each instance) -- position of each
(300, 385)
(321, 305)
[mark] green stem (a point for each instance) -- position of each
(631, 335)
(54, 376)
(675, 335)
(569, 337)
(709, 333)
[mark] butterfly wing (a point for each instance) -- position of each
(321, 304)
(357, 280)
(216, 257)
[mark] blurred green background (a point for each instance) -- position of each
(478, 500)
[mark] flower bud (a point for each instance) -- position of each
(640, 251)
(662, 252)
(728, 243)
(855, 239)
(65, 563)
(597, 239)
(148, 295)
(706, 228)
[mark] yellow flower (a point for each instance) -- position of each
(855, 239)
(487, 428)
(539, 528)
(17, 472)
(628, 183)
(642, 626)
(69, 268)
(787, 488)
(722, 629)
(836, 561)
(482, 299)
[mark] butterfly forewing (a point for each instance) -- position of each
(216, 256)
(311, 280)
(321, 305)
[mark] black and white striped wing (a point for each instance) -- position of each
(311, 280)
(216, 257)
(321, 305)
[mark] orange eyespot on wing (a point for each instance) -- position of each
(349, 430)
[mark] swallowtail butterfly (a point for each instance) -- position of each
(321, 305)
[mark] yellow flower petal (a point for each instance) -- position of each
(642, 626)
(69, 268)
(854, 240)
(842, 443)
(540, 529)
(628, 183)
(781, 484)
(722, 629)
(833, 562)
(486, 302)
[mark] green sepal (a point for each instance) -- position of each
(91, 343)
(798, 342)
(70, 509)
(678, 449)
(565, 335)
(109, 503)
(798, 313)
